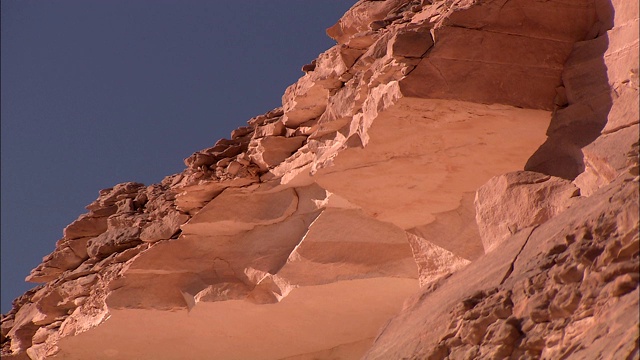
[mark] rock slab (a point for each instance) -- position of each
(452, 180)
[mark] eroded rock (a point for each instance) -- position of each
(303, 234)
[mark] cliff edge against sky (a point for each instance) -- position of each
(452, 180)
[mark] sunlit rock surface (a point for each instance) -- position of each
(453, 179)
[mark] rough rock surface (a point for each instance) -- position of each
(454, 179)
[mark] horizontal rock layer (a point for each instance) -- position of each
(395, 161)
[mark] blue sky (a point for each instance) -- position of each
(95, 93)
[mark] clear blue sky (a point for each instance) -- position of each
(95, 93)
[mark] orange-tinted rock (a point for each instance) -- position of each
(307, 231)
(511, 202)
(525, 263)
(165, 228)
(358, 18)
(270, 151)
(86, 226)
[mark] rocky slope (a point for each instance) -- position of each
(452, 180)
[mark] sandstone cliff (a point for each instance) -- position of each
(454, 179)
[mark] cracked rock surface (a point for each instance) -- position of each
(454, 179)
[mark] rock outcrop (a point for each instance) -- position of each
(453, 180)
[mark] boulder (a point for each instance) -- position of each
(163, 228)
(270, 151)
(86, 226)
(113, 241)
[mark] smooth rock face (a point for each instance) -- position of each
(455, 230)
(421, 156)
(511, 202)
(382, 211)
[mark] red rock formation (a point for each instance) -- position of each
(382, 211)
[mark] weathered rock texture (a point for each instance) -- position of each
(478, 158)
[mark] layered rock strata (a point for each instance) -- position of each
(393, 163)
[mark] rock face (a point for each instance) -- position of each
(454, 179)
